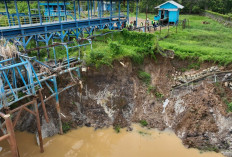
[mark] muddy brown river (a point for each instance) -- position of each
(85, 142)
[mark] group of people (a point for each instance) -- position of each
(132, 24)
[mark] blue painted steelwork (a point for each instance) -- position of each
(44, 31)
(18, 78)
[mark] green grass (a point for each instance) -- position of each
(117, 129)
(66, 127)
(143, 123)
(119, 45)
(210, 42)
(206, 42)
(145, 77)
(226, 17)
(202, 42)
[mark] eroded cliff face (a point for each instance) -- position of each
(116, 96)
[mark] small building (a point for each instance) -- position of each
(169, 11)
(53, 8)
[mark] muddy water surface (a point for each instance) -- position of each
(85, 142)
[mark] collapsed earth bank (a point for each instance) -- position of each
(128, 93)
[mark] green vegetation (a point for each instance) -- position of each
(145, 77)
(229, 107)
(143, 123)
(206, 42)
(192, 6)
(159, 95)
(144, 133)
(151, 89)
(210, 149)
(66, 127)
(117, 129)
(226, 17)
(119, 45)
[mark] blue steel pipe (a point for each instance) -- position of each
(12, 66)
(128, 4)
(137, 11)
(40, 17)
(16, 7)
(79, 9)
(7, 12)
(29, 11)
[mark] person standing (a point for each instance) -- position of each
(147, 24)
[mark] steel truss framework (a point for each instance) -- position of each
(19, 79)
(45, 31)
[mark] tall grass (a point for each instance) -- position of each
(207, 42)
(119, 45)
(7, 51)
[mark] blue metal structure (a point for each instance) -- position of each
(51, 9)
(169, 11)
(46, 28)
(52, 26)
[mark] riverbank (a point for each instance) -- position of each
(106, 142)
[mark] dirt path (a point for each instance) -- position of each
(143, 20)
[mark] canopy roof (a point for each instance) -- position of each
(179, 6)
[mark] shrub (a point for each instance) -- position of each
(117, 128)
(229, 107)
(227, 17)
(159, 95)
(115, 48)
(99, 58)
(145, 77)
(66, 127)
(143, 123)
(151, 89)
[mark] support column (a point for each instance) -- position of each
(38, 125)
(40, 17)
(128, 15)
(79, 9)
(37, 45)
(49, 14)
(98, 7)
(137, 11)
(93, 8)
(58, 7)
(75, 11)
(12, 140)
(111, 9)
(29, 11)
(7, 12)
(16, 7)
(54, 52)
(46, 38)
(119, 9)
(102, 8)
(65, 12)
(88, 9)
(57, 104)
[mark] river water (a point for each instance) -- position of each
(85, 142)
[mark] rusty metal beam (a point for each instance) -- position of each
(18, 108)
(12, 140)
(43, 105)
(4, 137)
(38, 125)
(25, 108)
(17, 117)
